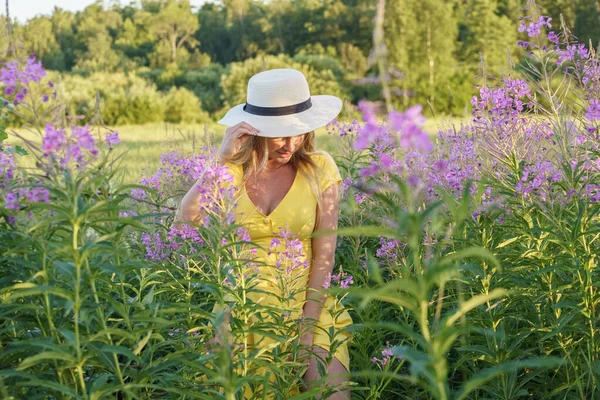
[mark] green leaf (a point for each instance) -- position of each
(471, 252)
(142, 343)
(511, 366)
(508, 241)
(373, 231)
(417, 359)
(30, 289)
(21, 151)
(122, 350)
(44, 357)
(149, 298)
(69, 336)
(66, 268)
(473, 302)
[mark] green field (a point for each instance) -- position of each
(144, 144)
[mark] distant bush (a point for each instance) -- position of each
(321, 63)
(125, 98)
(183, 106)
(205, 84)
(130, 99)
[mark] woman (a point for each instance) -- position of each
(285, 184)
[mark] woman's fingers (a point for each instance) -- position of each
(246, 125)
(245, 131)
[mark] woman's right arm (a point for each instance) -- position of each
(235, 136)
(188, 210)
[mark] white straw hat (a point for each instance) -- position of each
(279, 104)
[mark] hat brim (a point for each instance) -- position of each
(324, 110)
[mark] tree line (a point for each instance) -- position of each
(202, 58)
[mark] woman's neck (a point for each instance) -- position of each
(273, 165)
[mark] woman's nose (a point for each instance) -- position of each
(289, 143)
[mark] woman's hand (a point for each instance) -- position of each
(234, 138)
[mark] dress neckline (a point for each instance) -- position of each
(278, 204)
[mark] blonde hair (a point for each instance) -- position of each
(254, 154)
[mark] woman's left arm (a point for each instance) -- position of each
(323, 249)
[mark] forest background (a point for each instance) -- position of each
(155, 61)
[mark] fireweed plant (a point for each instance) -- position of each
(468, 261)
(485, 266)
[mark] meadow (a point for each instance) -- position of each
(142, 145)
(467, 255)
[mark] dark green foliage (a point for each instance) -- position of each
(205, 84)
(431, 44)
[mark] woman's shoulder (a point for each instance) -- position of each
(322, 159)
(237, 170)
(328, 173)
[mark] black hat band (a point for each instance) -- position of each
(277, 111)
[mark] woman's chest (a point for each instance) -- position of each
(295, 212)
(266, 193)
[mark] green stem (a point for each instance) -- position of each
(77, 304)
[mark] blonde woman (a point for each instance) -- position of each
(284, 183)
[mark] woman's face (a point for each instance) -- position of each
(282, 149)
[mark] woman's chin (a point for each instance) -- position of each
(281, 157)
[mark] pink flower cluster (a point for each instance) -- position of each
(390, 251)
(159, 249)
(406, 127)
(7, 166)
(60, 149)
(289, 251)
(537, 179)
(534, 28)
(592, 112)
(342, 279)
(503, 102)
(16, 78)
(386, 356)
(572, 53)
(14, 200)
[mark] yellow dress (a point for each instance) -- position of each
(296, 213)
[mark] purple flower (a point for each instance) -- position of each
(327, 283)
(243, 235)
(572, 52)
(20, 96)
(387, 356)
(592, 113)
(53, 140)
(534, 28)
(7, 166)
(84, 137)
(274, 243)
(157, 249)
(112, 138)
(34, 71)
(9, 74)
(346, 282)
(38, 195)
(410, 127)
(11, 201)
(553, 37)
(387, 353)
(368, 132)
